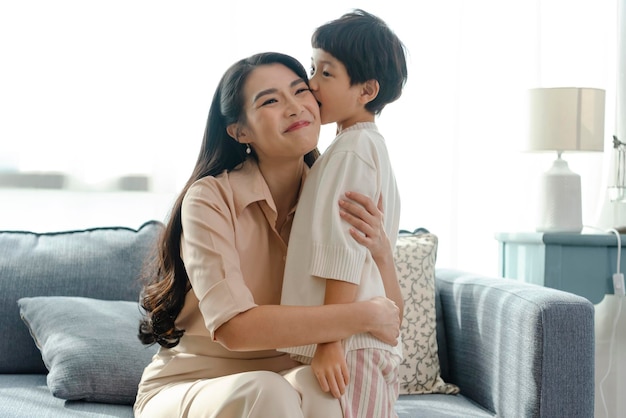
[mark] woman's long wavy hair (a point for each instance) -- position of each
(166, 280)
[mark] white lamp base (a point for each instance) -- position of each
(560, 203)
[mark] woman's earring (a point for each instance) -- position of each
(248, 150)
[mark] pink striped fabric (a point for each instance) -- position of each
(374, 385)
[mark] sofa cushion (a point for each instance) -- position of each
(27, 396)
(14, 389)
(420, 372)
(439, 406)
(89, 346)
(101, 263)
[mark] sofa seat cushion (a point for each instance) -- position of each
(89, 346)
(27, 396)
(439, 406)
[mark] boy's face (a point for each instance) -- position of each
(330, 83)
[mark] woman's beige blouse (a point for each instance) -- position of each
(235, 260)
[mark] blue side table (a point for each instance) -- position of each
(577, 263)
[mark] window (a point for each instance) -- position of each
(113, 96)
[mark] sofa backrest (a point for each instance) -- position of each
(100, 263)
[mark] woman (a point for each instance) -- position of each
(214, 307)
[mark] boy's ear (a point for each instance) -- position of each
(369, 91)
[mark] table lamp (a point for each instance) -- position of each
(564, 119)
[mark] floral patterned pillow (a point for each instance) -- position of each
(415, 256)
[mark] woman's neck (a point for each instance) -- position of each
(283, 180)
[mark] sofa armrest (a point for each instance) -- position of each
(517, 349)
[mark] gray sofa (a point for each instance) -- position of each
(514, 350)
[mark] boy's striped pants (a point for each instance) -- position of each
(374, 384)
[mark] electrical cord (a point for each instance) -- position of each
(619, 249)
(618, 289)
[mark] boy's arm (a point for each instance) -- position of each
(329, 362)
(365, 216)
(329, 365)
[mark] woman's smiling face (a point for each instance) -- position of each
(282, 118)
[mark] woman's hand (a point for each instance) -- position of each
(367, 220)
(385, 319)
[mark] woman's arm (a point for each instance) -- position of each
(276, 326)
(273, 326)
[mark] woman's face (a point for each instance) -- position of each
(282, 115)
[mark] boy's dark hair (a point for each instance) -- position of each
(369, 50)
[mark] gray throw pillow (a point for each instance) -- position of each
(101, 263)
(89, 346)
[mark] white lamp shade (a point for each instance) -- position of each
(566, 119)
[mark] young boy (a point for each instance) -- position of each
(358, 67)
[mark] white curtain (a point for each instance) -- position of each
(100, 89)
(610, 213)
